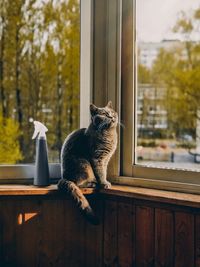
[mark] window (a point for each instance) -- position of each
(40, 79)
(39, 55)
(160, 139)
(111, 72)
(171, 137)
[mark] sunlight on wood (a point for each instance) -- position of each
(24, 217)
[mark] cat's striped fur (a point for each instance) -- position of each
(85, 155)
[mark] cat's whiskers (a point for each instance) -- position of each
(121, 124)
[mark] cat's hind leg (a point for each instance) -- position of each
(77, 170)
(90, 180)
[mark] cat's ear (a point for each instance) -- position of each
(93, 109)
(109, 105)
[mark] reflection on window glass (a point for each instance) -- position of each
(39, 75)
(168, 83)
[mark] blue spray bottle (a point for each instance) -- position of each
(41, 174)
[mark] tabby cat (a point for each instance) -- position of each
(85, 155)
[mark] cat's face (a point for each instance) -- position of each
(104, 118)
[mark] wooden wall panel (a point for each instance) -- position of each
(110, 234)
(197, 243)
(9, 221)
(94, 237)
(65, 226)
(184, 239)
(51, 236)
(164, 238)
(144, 236)
(74, 231)
(126, 233)
(49, 231)
(28, 231)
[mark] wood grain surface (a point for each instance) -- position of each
(47, 230)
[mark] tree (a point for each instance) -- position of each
(39, 68)
(9, 144)
(179, 70)
(3, 5)
(144, 74)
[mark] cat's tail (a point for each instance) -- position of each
(83, 205)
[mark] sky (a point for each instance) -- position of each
(156, 18)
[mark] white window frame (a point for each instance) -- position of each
(130, 172)
(24, 173)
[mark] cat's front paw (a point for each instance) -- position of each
(105, 185)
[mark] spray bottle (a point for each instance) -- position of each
(41, 175)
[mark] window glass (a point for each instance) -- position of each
(168, 83)
(39, 75)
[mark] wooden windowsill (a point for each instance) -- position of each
(185, 199)
(28, 190)
(170, 197)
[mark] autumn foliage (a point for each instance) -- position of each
(39, 74)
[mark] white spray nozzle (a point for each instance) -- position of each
(40, 130)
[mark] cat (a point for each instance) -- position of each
(85, 155)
